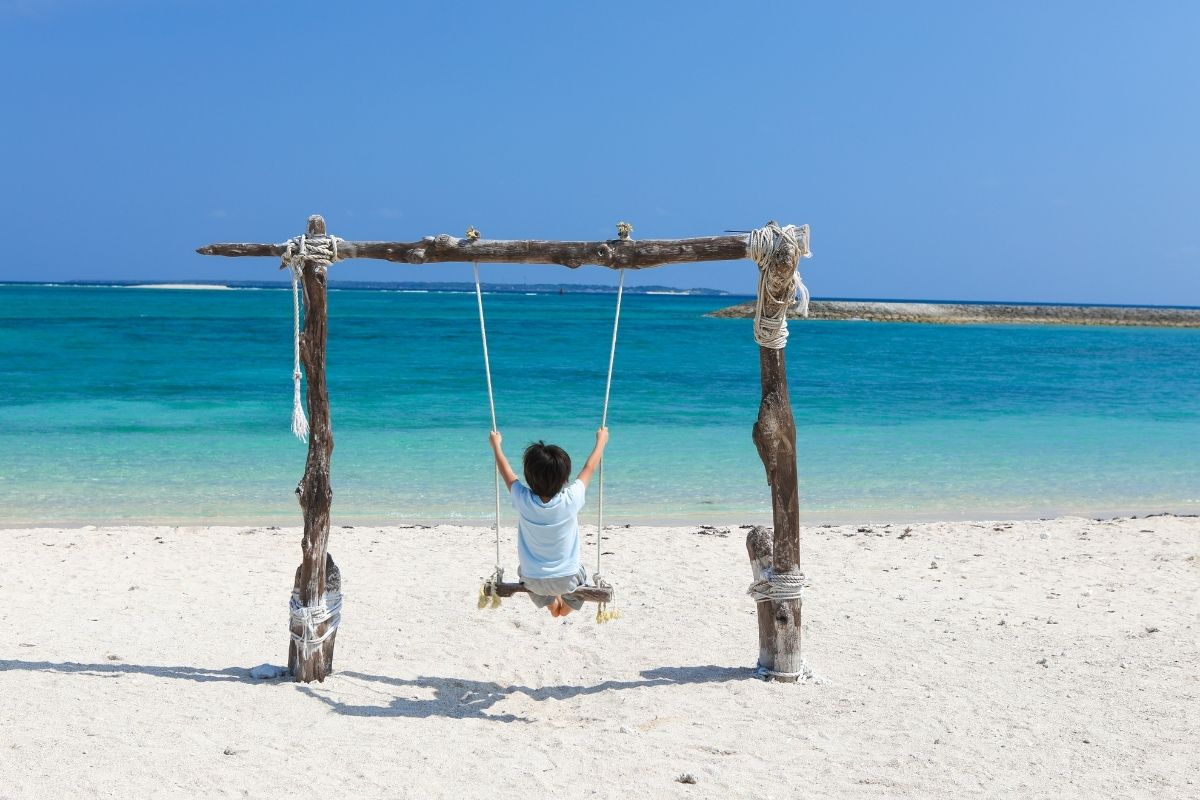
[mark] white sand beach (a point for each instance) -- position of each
(1037, 659)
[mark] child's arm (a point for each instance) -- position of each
(506, 471)
(593, 460)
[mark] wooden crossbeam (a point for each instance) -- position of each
(592, 594)
(620, 253)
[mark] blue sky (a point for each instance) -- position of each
(992, 151)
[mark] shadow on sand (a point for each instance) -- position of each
(115, 669)
(461, 698)
(453, 698)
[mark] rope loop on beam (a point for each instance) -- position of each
(320, 251)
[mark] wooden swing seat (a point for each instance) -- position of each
(592, 594)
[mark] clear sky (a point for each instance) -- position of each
(947, 150)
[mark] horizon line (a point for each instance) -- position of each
(359, 285)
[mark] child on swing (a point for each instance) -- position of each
(548, 528)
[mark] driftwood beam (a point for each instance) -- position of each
(612, 253)
(237, 250)
(594, 594)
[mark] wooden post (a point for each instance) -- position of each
(317, 572)
(775, 439)
(758, 546)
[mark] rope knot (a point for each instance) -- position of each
(773, 247)
(473, 233)
(489, 596)
(321, 251)
(624, 229)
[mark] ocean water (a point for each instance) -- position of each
(147, 405)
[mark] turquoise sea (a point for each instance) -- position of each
(124, 405)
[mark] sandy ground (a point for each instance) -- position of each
(1038, 659)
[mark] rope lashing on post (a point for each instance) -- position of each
(321, 252)
(805, 674)
(309, 618)
(778, 588)
(778, 290)
(788, 586)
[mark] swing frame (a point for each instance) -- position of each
(773, 552)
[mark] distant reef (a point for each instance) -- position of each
(987, 313)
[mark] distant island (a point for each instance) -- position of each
(178, 286)
(986, 313)
(404, 286)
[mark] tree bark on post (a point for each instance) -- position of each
(317, 572)
(775, 439)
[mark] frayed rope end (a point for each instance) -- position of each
(802, 297)
(299, 422)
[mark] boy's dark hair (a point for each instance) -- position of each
(547, 468)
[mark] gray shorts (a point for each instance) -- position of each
(542, 591)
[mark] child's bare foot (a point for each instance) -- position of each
(563, 608)
(553, 608)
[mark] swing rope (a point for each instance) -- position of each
(612, 355)
(498, 574)
(603, 613)
(488, 594)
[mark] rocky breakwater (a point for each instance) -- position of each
(986, 314)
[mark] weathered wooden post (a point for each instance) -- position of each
(775, 560)
(317, 574)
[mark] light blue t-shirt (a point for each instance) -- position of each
(548, 533)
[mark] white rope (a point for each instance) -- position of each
(487, 368)
(299, 421)
(320, 252)
(788, 586)
(612, 356)
(309, 618)
(805, 673)
(777, 289)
